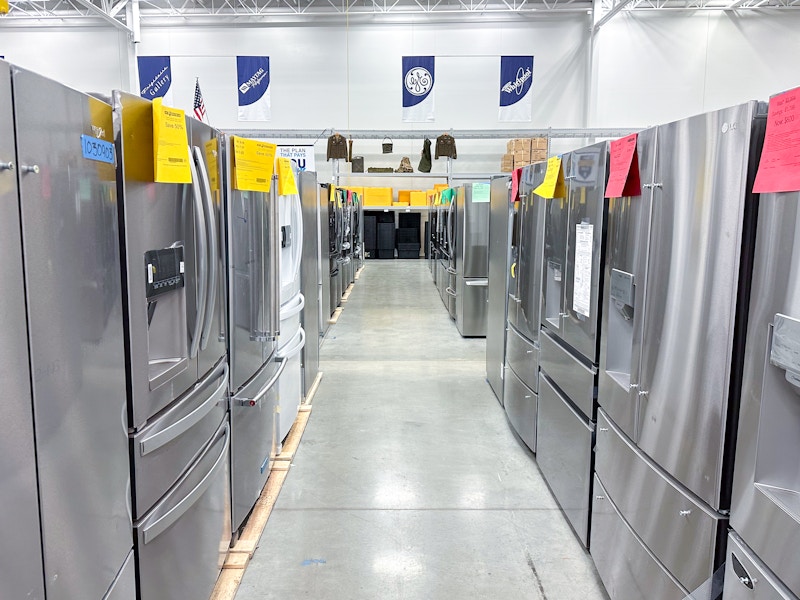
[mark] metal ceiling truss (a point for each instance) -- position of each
(164, 12)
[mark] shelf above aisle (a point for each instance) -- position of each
(410, 175)
(397, 208)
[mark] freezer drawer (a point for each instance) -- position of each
(472, 308)
(747, 578)
(523, 357)
(124, 586)
(164, 448)
(678, 530)
(182, 543)
(568, 373)
(564, 454)
(628, 569)
(520, 404)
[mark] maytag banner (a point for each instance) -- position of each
(516, 97)
(303, 156)
(254, 93)
(418, 78)
(155, 78)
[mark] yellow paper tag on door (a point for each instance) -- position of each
(553, 184)
(213, 164)
(3, 7)
(170, 144)
(286, 182)
(253, 164)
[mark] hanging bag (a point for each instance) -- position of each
(387, 146)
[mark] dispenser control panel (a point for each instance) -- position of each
(164, 270)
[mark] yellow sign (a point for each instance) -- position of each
(286, 183)
(253, 164)
(213, 164)
(3, 7)
(170, 144)
(553, 184)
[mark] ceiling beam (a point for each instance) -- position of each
(98, 12)
(611, 14)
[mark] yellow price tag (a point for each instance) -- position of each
(253, 164)
(553, 184)
(3, 7)
(170, 144)
(286, 183)
(213, 164)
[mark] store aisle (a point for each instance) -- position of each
(408, 483)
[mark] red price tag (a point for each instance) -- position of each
(623, 176)
(516, 176)
(779, 167)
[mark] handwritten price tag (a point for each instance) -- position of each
(779, 167)
(623, 176)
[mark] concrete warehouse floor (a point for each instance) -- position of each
(409, 483)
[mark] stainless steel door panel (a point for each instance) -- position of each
(554, 258)
(520, 405)
(678, 530)
(693, 273)
(765, 508)
(573, 377)
(628, 569)
(472, 306)
(309, 277)
(748, 578)
(20, 548)
(564, 454)
(583, 274)
(172, 441)
(624, 291)
(182, 543)
(450, 292)
(473, 234)
(324, 258)
(499, 255)
(124, 586)
(214, 341)
(523, 357)
(254, 438)
(77, 346)
(531, 247)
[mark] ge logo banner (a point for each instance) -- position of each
(418, 81)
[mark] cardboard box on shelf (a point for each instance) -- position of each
(522, 144)
(378, 196)
(405, 195)
(418, 198)
(539, 143)
(538, 155)
(438, 187)
(507, 163)
(404, 203)
(509, 146)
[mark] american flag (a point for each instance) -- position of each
(199, 103)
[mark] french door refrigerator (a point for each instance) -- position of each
(174, 276)
(521, 372)
(677, 286)
(472, 264)
(254, 323)
(500, 220)
(765, 507)
(569, 339)
(60, 221)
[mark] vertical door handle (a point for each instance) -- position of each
(213, 251)
(201, 258)
(275, 263)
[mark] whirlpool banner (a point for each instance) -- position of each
(155, 78)
(516, 97)
(254, 93)
(418, 78)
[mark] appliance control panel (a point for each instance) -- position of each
(164, 270)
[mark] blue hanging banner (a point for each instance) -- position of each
(418, 80)
(516, 82)
(155, 78)
(252, 73)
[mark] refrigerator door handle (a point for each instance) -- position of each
(159, 526)
(478, 283)
(291, 352)
(275, 264)
(267, 386)
(213, 243)
(450, 291)
(165, 436)
(201, 259)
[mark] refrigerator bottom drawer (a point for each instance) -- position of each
(182, 543)
(520, 404)
(523, 356)
(472, 308)
(567, 372)
(124, 586)
(681, 533)
(564, 454)
(748, 578)
(628, 570)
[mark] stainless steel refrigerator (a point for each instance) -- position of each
(572, 285)
(500, 220)
(324, 212)
(765, 507)
(472, 262)
(450, 258)
(175, 307)
(676, 288)
(521, 373)
(254, 323)
(60, 238)
(311, 286)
